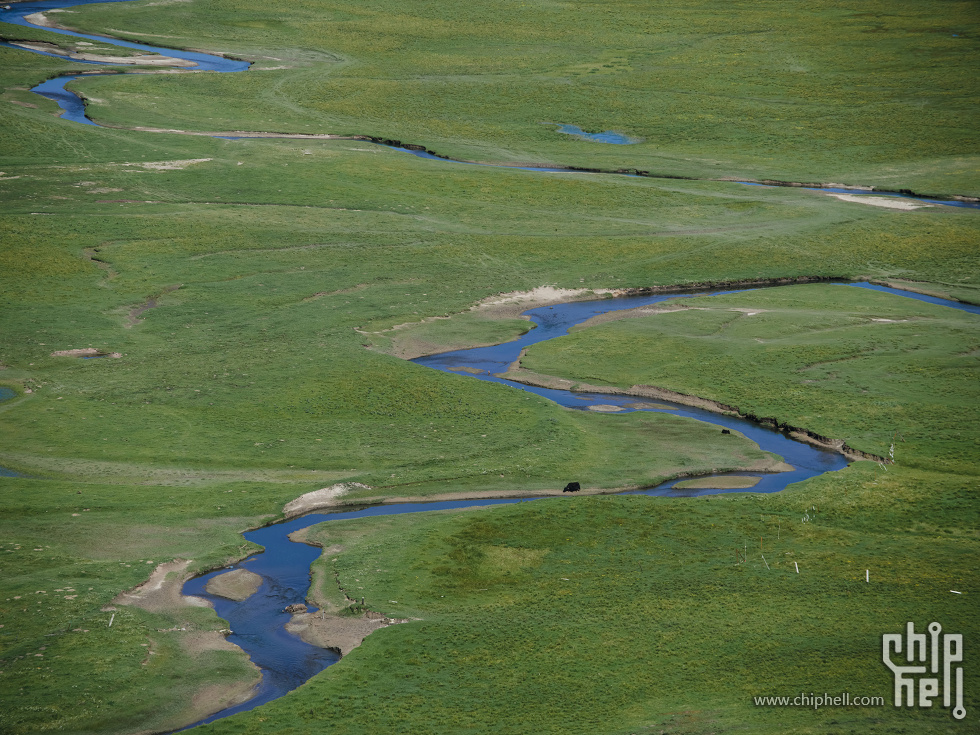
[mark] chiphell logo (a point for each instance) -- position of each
(929, 660)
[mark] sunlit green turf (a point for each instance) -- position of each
(66, 550)
(274, 265)
(878, 93)
(674, 613)
(872, 369)
(633, 614)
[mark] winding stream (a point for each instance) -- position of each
(287, 661)
(74, 106)
(258, 623)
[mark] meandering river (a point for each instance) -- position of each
(258, 624)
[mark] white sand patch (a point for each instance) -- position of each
(85, 352)
(39, 46)
(340, 633)
(889, 320)
(143, 59)
(605, 408)
(543, 294)
(886, 202)
(39, 19)
(169, 165)
(322, 498)
(238, 584)
(160, 593)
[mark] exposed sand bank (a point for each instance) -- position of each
(341, 633)
(85, 352)
(140, 59)
(497, 307)
(215, 698)
(238, 584)
(323, 498)
(161, 592)
(540, 295)
(886, 202)
(40, 19)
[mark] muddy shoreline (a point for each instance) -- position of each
(394, 143)
(521, 375)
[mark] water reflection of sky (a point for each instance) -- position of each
(606, 136)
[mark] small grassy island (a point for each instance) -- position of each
(202, 328)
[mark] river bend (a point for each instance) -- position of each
(258, 624)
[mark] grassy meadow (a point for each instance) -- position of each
(644, 615)
(253, 287)
(870, 368)
(879, 93)
(631, 615)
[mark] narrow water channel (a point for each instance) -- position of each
(74, 107)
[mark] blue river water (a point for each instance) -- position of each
(606, 136)
(54, 89)
(867, 192)
(204, 62)
(287, 661)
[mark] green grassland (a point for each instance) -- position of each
(879, 93)
(869, 368)
(277, 270)
(67, 549)
(635, 614)
(631, 614)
